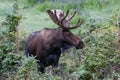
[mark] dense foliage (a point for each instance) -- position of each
(8, 60)
(97, 60)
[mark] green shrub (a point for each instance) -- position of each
(10, 63)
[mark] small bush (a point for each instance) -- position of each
(10, 63)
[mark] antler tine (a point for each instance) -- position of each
(53, 16)
(58, 22)
(77, 25)
(64, 19)
(65, 15)
(72, 16)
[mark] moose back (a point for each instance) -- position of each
(46, 44)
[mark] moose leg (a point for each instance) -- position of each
(41, 67)
(56, 57)
(56, 60)
(55, 63)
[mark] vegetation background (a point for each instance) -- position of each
(100, 31)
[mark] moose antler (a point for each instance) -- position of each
(72, 16)
(65, 16)
(77, 25)
(53, 17)
(61, 22)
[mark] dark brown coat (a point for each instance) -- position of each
(46, 44)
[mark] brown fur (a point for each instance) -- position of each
(46, 45)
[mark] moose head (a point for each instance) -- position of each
(59, 18)
(46, 44)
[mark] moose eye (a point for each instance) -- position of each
(69, 33)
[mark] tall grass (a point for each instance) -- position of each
(78, 4)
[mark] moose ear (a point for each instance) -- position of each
(53, 16)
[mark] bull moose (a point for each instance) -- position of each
(46, 45)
